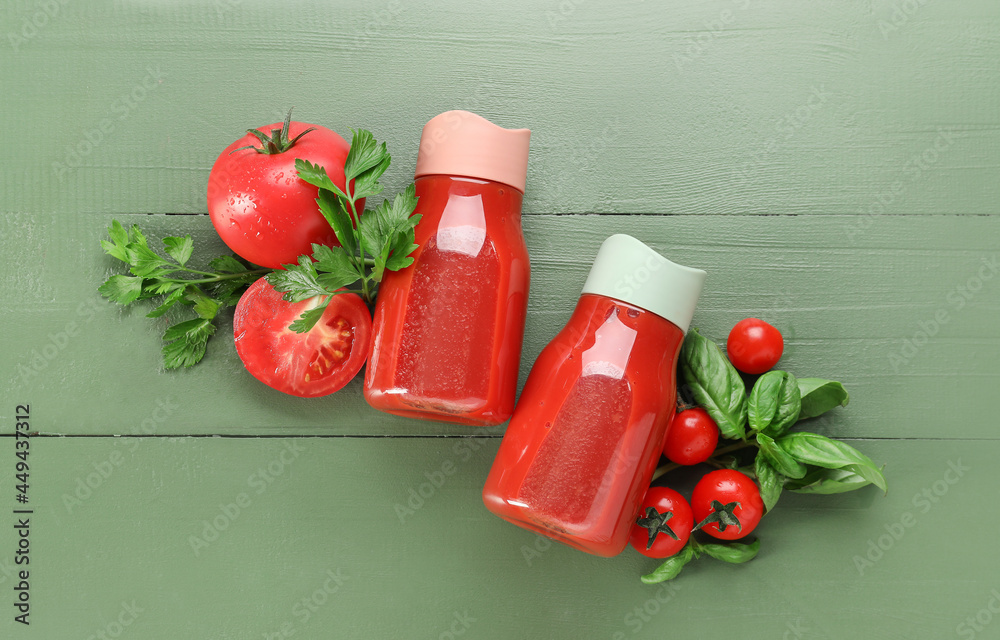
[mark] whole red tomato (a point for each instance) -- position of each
(754, 346)
(311, 364)
(663, 525)
(260, 207)
(730, 501)
(691, 437)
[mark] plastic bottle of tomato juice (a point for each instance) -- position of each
(448, 328)
(579, 453)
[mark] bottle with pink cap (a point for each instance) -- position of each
(448, 328)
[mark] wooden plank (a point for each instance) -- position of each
(719, 107)
(316, 508)
(855, 297)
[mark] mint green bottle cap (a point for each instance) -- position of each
(628, 270)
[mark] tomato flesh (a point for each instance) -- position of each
(316, 363)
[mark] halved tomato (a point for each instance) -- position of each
(308, 365)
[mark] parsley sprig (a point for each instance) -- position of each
(173, 283)
(380, 240)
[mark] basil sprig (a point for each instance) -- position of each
(784, 460)
(799, 461)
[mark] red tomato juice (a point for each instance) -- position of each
(595, 407)
(448, 328)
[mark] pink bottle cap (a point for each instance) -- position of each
(460, 143)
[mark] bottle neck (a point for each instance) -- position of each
(497, 201)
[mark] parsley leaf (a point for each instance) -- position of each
(153, 276)
(186, 342)
(316, 175)
(308, 319)
(179, 248)
(122, 289)
(365, 164)
(371, 242)
(298, 282)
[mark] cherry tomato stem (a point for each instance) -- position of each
(670, 466)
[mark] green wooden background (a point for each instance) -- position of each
(834, 166)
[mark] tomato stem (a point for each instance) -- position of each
(277, 141)
(713, 461)
(733, 447)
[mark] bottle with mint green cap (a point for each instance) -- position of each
(588, 428)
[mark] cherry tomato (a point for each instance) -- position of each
(308, 365)
(754, 346)
(731, 499)
(262, 210)
(664, 511)
(691, 437)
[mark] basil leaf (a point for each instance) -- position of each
(774, 403)
(812, 448)
(733, 553)
(671, 567)
(715, 384)
(819, 396)
(827, 482)
(783, 463)
(789, 407)
(763, 401)
(768, 479)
